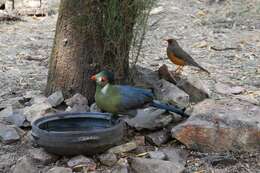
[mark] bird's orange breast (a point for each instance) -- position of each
(175, 59)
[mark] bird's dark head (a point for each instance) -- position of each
(171, 41)
(103, 77)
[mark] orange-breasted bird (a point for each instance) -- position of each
(179, 57)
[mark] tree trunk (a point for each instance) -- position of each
(82, 48)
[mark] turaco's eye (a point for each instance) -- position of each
(103, 79)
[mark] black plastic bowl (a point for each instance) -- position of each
(85, 133)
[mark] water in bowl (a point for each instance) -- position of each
(76, 124)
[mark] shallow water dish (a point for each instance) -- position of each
(77, 133)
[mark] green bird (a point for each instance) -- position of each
(122, 99)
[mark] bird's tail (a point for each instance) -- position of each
(170, 108)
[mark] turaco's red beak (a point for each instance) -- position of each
(93, 77)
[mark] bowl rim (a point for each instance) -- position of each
(64, 115)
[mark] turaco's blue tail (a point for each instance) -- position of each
(170, 108)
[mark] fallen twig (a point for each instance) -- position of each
(223, 49)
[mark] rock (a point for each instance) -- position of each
(140, 140)
(119, 169)
(145, 78)
(227, 89)
(158, 138)
(17, 102)
(38, 99)
(108, 159)
(123, 148)
(94, 108)
(222, 125)
(31, 94)
(157, 155)
(56, 98)
(36, 111)
(24, 165)
(170, 93)
(8, 134)
(149, 118)
(193, 86)
(60, 170)
(175, 155)
(154, 166)
(82, 161)
(78, 103)
(6, 112)
(40, 156)
(17, 118)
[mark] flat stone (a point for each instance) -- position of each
(175, 155)
(39, 155)
(154, 166)
(82, 161)
(8, 134)
(36, 111)
(6, 112)
(220, 126)
(123, 148)
(56, 98)
(17, 118)
(158, 138)
(170, 93)
(119, 169)
(38, 99)
(145, 78)
(149, 118)
(108, 159)
(78, 103)
(17, 102)
(31, 94)
(196, 88)
(157, 155)
(60, 170)
(193, 86)
(24, 165)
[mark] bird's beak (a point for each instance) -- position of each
(93, 77)
(165, 39)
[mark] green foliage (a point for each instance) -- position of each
(124, 23)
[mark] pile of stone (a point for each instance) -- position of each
(215, 126)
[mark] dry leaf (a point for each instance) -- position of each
(201, 13)
(201, 44)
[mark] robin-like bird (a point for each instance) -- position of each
(179, 57)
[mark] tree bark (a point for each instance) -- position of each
(81, 48)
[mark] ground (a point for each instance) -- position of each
(25, 48)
